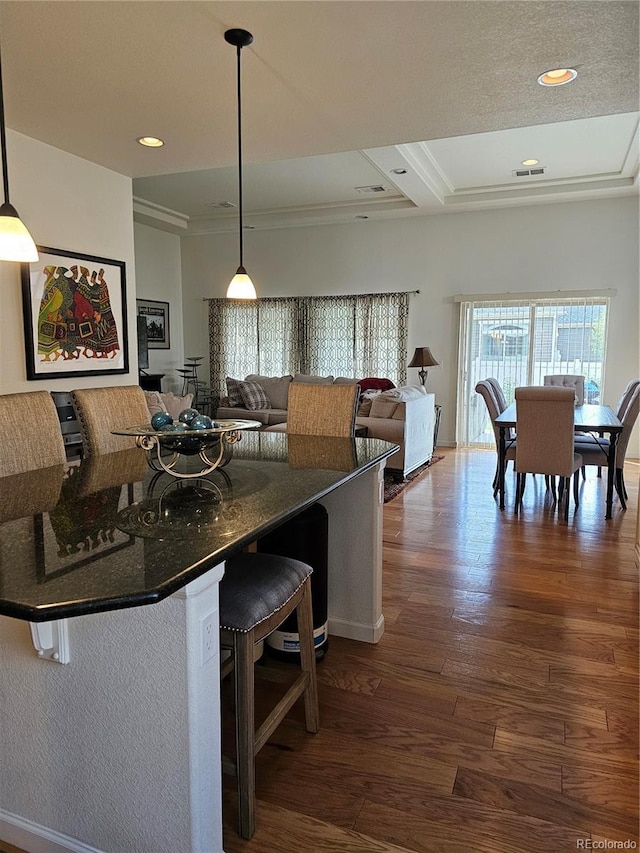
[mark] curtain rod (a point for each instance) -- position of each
(324, 296)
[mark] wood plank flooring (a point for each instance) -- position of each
(499, 713)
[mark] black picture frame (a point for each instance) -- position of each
(156, 314)
(75, 315)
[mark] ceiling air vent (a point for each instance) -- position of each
(224, 204)
(377, 188)
(524, 173)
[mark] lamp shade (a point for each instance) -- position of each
(16, 244)
(241, 286)
(423, 357)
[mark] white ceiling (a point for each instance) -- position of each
(335, 95)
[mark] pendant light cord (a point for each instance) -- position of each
(239, 48)
(3, 139)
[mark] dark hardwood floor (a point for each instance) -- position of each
(499, 712)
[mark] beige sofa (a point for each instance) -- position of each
(403, 416)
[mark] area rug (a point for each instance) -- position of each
(393, 487)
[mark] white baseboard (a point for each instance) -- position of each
(356, 631)
(34, 838)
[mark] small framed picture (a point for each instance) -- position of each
(156, 315)
(75, 315)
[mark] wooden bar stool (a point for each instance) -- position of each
(257, 593)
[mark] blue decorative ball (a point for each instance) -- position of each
(170, 427)
(187, 415)
(201, 422)
(161, 419)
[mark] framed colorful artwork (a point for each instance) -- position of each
(75, 315)
(156, 315)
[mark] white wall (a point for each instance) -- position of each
(158, 276)
(71, 204)
(570, 246)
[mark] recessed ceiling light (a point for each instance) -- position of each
(150, 141)
(398, 171)
(557, 77)
(531, 162)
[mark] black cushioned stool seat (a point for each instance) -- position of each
(257, 593)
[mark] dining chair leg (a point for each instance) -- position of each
(584, 472)
(566, 493)
(245, 734)
(307, 660)
(576, 486)
(620, 489)
(552, 484)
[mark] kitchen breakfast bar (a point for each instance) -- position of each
(118, 749)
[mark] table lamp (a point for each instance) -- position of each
(423, 358)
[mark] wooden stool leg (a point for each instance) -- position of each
(308, 659)
(245, 734)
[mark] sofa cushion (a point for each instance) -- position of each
(313, 380)
(253, 396)
(234, 397)
(344, 380)
(275, 387)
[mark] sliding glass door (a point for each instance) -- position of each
(519, 342)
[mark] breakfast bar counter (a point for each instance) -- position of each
(119, 749)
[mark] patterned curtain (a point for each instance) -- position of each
(356, 336)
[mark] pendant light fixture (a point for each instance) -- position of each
(16, 244)
(241, 286)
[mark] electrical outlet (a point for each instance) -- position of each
(209, 640)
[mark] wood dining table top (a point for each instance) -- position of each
(587, 418)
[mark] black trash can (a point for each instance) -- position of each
(304, 538)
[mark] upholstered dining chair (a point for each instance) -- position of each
(501, 400)
(595, 449)
(544, 423)
(320, 410)
(487, 392)
(31, 434)
(101, 410)
(569, 380)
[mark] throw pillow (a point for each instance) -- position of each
(406, 392)
(175, 404)
(233, 391)
(154, 402)
(383, 408)
(365, 402)
(253, 396)
(275, 387)
(372, 383)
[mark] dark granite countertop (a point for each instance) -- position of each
(111, 533)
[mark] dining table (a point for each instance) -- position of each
(109, 575)
(597, 420)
